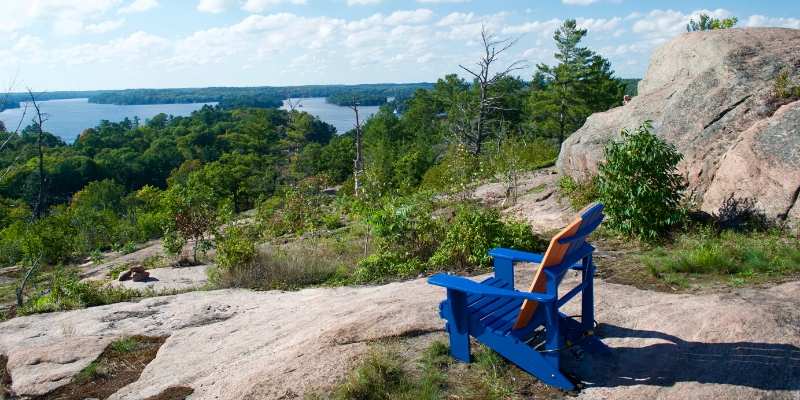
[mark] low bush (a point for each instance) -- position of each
(473, 232)
(639, 184)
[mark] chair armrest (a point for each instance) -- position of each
(468, 286)
(516, 255)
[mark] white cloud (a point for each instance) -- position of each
(579, 2)
(213, 6)
(442, 1)
(258, 6)
(599, 24)
(65, 17)
(105, 26)
(456, 18)
(138, 6)
(362, 2)
(417, 16)
(137, 47)
(760, 20)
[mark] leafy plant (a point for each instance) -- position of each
(580, 194)
(639, 184)
(473, 232)
(235, 249)
(707, 23)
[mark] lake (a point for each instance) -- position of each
(68, 118)
(342, 118)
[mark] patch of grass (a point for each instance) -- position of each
(736, 257)
(579, 194)
(389, 373)
(296, 264)
(380, 376)
(120, 364)
(124, 345)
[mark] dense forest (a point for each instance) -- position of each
(229, 97)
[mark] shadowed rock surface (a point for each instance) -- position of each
(239, 344)
(711, 94)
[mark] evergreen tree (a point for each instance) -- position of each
(563, 96)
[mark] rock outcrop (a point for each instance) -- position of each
(239, 344)
(711, 94)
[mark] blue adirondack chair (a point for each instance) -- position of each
(526, 327)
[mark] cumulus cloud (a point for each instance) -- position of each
(442, 1)
(105, 26)
(579, 2)
(138, 6)
(65, 17)
(258, 6)
(213, 6)
(760, 20)
(362, 2)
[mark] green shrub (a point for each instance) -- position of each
(639, 184)
(385, 265)
(473, 232)
(235, 249)
(457, 172)
(580, 194)
(406, 226)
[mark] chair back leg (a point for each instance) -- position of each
(587, 295)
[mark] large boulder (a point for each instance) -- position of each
(711, 94)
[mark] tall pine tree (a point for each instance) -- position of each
(563, 96)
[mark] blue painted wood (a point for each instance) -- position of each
(458, 325)
(489, 309)
(516, 255)
(504, 270)
(468, 286)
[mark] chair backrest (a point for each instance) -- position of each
(571, 239)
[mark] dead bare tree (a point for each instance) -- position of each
(358, 162)
(38, 121)
(476, 131)
(294, 104)
(20, 290)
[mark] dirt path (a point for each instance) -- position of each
(234, 344)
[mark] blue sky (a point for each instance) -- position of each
(52, 45)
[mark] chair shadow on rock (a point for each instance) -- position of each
(668, 359)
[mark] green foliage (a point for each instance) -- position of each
(741, 255)
(235, 249)
(563, 96)
(707, 23)
(639, 184)
(457, 172)
(297, 210)
(580, 194)
(124, 345)
(194, 212)
(65, 291)
(473, 232)
(379, 377)
(783, 87)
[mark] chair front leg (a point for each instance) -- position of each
(458, 325)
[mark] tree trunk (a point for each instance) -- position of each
(358, 163)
